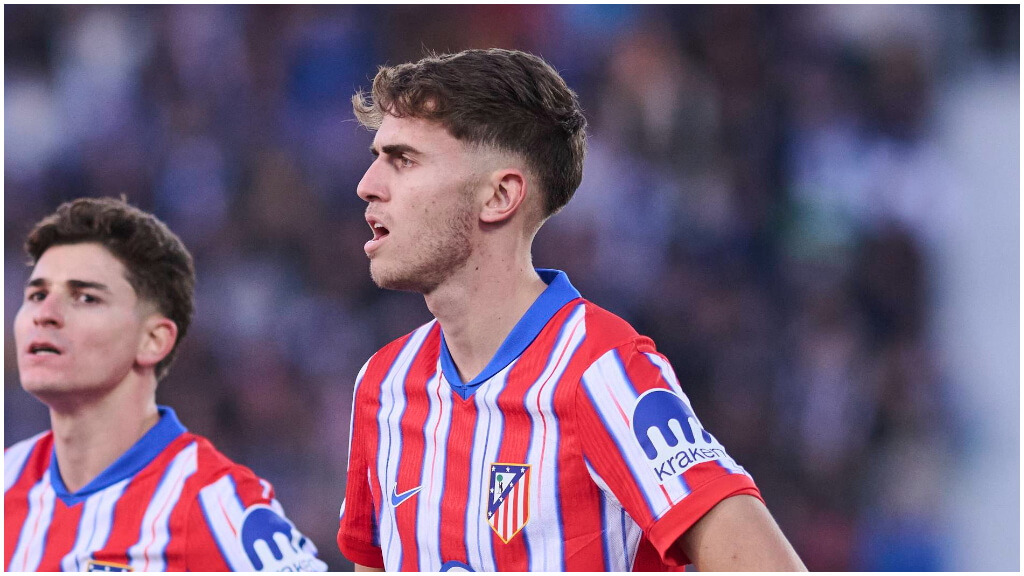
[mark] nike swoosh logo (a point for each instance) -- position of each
(397, 499)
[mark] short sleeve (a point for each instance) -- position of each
(644, 446)
(238, 525)
(358, 535)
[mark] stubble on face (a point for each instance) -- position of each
(442, 249)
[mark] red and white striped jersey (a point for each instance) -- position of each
(574, 449)
(172, 502)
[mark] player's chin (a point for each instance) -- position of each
(392, 278)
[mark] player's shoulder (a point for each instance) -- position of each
(28, 444)
(424, 339)
(607, 331)
(16, 455)
(213, 467)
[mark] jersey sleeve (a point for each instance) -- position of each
(358, 535)
(237, 524)
(646, 449)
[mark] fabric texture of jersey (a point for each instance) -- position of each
(574, 449)
(172, 502)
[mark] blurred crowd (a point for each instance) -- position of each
(761, 197)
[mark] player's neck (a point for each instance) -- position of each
(480, 306)
(90, 435)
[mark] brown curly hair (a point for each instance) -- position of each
(507, 99)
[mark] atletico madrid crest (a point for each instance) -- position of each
(508, 494)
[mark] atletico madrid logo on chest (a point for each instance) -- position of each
(508, 495)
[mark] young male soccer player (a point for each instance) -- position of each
(118, 484)
(525, 428)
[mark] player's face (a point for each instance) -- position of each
(420, 191)
(80, 325)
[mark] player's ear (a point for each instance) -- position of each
(158, 337)
(507, 191)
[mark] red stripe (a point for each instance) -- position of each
(360, 515)
(136, 498)
(60, 541)
(16, 499)
(515, 506)
(514, 447)
(35, 525)
(410, 464)
(167, 502)
(580, 501)
(703, 473)
(504, 520)
(544, 420)
(642, 373)
(433, 462)
(456, 480)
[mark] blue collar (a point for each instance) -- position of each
(558, 293)
(130, 463)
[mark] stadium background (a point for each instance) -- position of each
(814, 211)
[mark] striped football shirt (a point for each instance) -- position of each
(574, 449)
(172, 502)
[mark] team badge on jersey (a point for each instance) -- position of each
(670, 435)
(95, 566)
(508, 508)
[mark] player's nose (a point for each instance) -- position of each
(49, 312)
(373, 186)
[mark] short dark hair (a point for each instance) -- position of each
(507, 99)
(156, 262)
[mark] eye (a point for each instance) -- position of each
(87, 298)
(35, 296)
(404, 162)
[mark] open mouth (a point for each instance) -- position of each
(43, 349)
(379, 231)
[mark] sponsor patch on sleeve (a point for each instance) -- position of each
(273, 544)
(670, 435)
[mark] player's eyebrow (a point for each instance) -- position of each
(394, 150)
(75, 284)
(79, 284)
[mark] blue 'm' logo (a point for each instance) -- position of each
(261, 523)
(657, 409)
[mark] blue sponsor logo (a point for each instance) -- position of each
(273, 544)
(661, 421)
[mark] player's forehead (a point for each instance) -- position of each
(426, 136)
(86, 262)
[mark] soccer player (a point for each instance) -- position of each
(118, 484)
(525, 428)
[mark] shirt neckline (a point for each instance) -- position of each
(558, 293)
(166, 430)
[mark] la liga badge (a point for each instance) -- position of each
(508, 495)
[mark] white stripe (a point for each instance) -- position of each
(224, 514)
(32, 540)
(622, 545)
(428, 505)
(545, 537)
(351, 424)
(393, 402)
(15, 457)
(487, 437)
(154, 534)
(94, 527)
